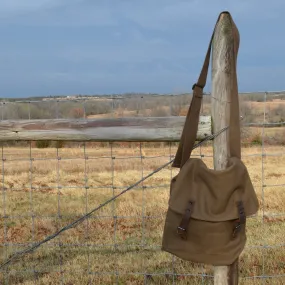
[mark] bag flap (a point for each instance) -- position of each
(215, 193)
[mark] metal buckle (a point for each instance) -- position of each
(236, 229)
(242, 218)
(182, 228)
(195, 84)
(182, 232)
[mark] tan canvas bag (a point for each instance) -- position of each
(207, 209)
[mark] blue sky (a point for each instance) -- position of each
(51, 47)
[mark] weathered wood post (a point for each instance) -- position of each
(223, 74)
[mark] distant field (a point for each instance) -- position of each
(275, 103)
(275, 107)
(58, 187)
(251, 105)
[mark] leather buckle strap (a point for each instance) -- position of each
(182, 228)
(197, 93)
(241, 220)
(241, 212)
(182, 232)
(237, 228)
(197, 85)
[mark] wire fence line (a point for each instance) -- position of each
(81, 219)
(45, 189)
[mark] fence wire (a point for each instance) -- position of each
(45, 189)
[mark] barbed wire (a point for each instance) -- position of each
(81, 219)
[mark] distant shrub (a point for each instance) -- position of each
(77, 113)
(43, 144)
(59, 144)
(256, 140)
(159, 112)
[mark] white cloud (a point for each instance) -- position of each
(152, 14)
(14, 7)
(168, 14)
(56, 13)
(137, 48)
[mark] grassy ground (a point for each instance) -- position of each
(120, 244)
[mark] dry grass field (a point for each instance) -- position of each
(120, 244)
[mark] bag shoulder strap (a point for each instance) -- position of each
(189, 133)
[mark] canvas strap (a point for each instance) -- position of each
(182, 228)
(189, 133)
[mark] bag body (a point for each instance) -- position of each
(207, 208)
(207, 211)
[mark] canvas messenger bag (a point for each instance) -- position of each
(207, 208)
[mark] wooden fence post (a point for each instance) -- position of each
(222, 76)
